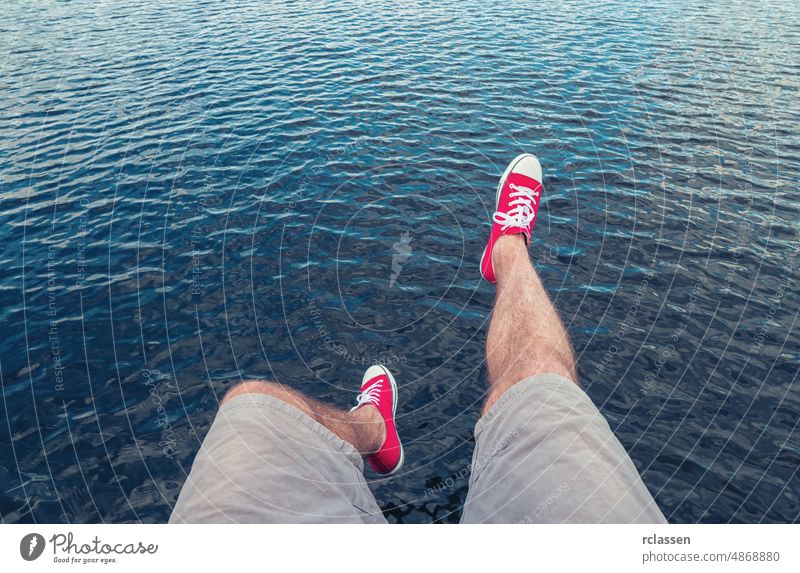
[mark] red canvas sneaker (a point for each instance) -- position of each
(518, 196)
(379, 389)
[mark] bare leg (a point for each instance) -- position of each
(363, 428)
(526, 335)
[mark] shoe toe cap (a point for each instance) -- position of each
(372, 372)
(530, 167)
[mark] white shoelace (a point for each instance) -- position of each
(521, 212)
(371, 395)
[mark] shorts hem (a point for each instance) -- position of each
(559, 384)
(259, 400)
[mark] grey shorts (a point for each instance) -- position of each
(543, 454)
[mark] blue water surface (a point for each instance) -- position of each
(193, 193)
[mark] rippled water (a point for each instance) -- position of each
(199, 192)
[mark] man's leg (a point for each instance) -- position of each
(363, 427)
(543, 452)
(526, 336)
(276, 455)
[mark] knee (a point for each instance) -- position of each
(256, 387)
(541, 362)
(563, 364)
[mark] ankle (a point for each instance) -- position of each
(509, 250)
(513, 242)
(370, 429)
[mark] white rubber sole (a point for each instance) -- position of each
(394, 412)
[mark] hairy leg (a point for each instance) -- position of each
(363, 428)
(526, 335)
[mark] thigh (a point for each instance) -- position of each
(545, 454)
(264, 461)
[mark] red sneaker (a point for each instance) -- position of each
(518, 196)
(379, 389)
